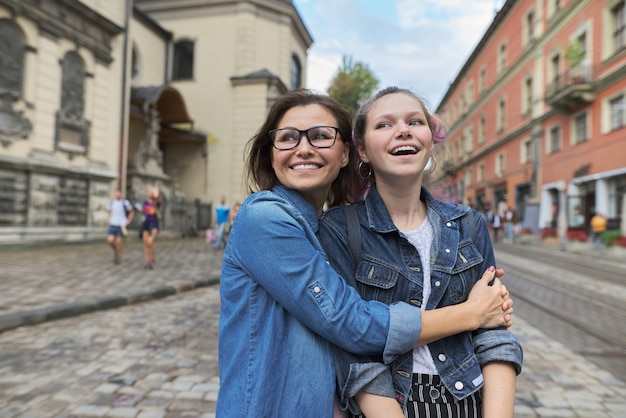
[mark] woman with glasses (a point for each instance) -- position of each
(423, 251)
(283, 308)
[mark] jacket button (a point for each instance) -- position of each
(437, 283)
(458, 385)
(449, 224)
(447, 250)
(316, 289)
(434, 394)
(442, 357)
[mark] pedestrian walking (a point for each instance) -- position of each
(509, 223)
(121, 214)
(598, 225)
(496, 224)
(222, 219)
(150, 226)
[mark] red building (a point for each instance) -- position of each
(536, 116)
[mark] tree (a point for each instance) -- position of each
(352, 85)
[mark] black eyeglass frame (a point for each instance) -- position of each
(304, 132)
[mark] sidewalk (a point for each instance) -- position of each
(41, 284)
(46, 283)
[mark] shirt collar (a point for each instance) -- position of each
(379, 219)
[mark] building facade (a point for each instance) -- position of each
(96, 95)
(231, 60)
(537, 117)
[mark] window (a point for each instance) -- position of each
(12, 62)
(296, 72)
(502, 115)
(556, 68)
(555, 139)
(470, 93)
(134, 68)
(72, 129)
(527, 151)
(617, 112)
(580, 128)
(468, 177)
(482, 80)
(527, 105)
(13, 123)
(469, 140)
(499, 164)
(529, 26)
(480, 175)
(481, 130)
(502, 59)
(618, 14)
(554, 6)
(183, 60)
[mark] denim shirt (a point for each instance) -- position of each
(283, 308)
(390, 270)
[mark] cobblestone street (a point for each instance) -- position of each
(158, 359)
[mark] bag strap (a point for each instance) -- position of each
(354, 232)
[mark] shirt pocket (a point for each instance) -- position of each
(376, 281)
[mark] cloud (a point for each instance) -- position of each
(418, 44)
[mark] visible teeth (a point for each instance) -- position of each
(305, 167)
(405, 148)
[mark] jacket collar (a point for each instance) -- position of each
(301, 205)
(380, 221)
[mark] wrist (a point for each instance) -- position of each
(472, 315)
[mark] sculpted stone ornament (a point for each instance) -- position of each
(12, 122)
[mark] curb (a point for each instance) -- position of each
(37, 316)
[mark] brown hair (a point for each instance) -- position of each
(259, 171)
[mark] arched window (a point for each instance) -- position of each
(296, 72)
(134, 69)
(72, 133)
(11, 59)
(183, 60)
(73, 86)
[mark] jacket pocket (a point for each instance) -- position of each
(376, 281)
(465, 271)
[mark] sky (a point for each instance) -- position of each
(416, 44)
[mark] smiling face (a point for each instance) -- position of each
(307, 169)
(398, 139)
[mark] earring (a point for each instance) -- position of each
(430, 165)
(369, 173)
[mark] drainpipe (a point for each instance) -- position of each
(121, 180)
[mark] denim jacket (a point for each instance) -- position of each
(283, 308)
(390, 270)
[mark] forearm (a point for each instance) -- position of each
(498, 392)
(446, 321)
(378, 406)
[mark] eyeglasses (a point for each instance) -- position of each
(318, 136)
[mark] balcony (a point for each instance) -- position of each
(571, 89)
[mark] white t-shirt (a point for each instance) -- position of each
(118, 209)
(422, 238)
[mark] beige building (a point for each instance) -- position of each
(96, 95)
(231, 59)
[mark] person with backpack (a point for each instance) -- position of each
(121, 214)
(424, 252)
